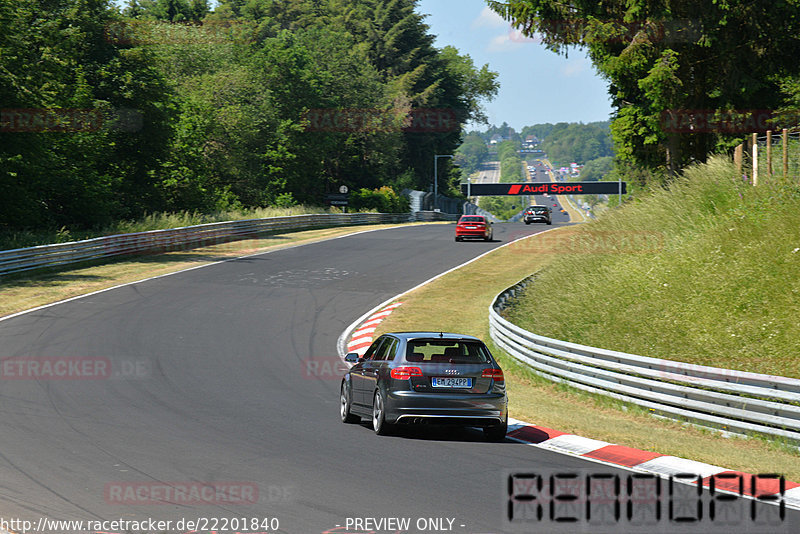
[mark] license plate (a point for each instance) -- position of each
(451, 382)
(471, 227)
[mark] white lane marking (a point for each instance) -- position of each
(361, 331)
(381, 315)
(672, 465)
(792, 497)
(574, 444)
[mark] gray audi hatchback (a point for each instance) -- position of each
(426, 378)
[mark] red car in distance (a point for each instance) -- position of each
(474, 226)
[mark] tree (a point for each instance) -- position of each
(109, 110)
(596, 169)
(471, 153)
(660, 58)
(577, 142)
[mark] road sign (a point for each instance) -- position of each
(550, 188)
(337, 199)
(343, 190)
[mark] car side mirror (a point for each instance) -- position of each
(353, 357)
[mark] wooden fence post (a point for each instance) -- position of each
(785, 134)
(755, 159)
(737, 159)
(769, 153)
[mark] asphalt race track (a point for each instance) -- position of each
(210, 383)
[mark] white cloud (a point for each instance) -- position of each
(504, 43)
(488, 19)
(575, 67)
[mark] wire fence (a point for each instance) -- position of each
(769, 157)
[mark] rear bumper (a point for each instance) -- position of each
(471, 233)
(468, 410)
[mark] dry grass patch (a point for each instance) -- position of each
(26, 291)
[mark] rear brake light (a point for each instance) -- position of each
(496, 374)
(405, 373)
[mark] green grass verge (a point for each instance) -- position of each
(459, 301)
(706, 272)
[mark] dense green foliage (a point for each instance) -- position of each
(472, 152)
(662, 58)
(563, 142)
(383, 199)
(539, 130)
(577, 143)
(256, 103)
(596, 169)
(510, 162)
(511, 171)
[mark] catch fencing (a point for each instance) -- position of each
(158, 241)
(724, 399)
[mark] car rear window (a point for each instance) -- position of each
(471, 219)
(446, 351)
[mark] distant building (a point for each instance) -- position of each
(530, 141)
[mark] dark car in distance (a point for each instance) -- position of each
(538, 214)
(476, 226)
(426, 378)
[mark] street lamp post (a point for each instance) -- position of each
(436, 175)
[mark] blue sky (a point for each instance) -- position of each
(536, 85)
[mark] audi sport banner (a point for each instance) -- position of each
(540, 188)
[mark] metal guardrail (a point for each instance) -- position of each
(724, 399)
(429, 216)
(158, 241)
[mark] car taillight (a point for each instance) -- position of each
(496, 374)
(405, 373)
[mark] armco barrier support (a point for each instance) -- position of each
(26, 259)
(724, 399)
